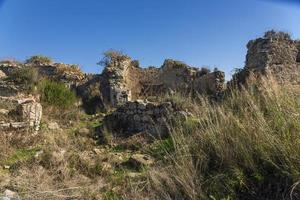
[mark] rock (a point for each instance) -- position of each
(2, 75)
(273, 54)
(31, 112)
(4, 125)
(4, 198)
(99, 151)
(133, 174)
(138, 161)
(107, 167)
(53, 126)
(84, 131)
(134, 117)
(6, 167)
(8, 194)
(116, 158)
(37, 154)
(4, 111)
(17, 125)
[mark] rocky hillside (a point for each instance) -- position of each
(169, 132)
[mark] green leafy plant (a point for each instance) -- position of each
(56, 94)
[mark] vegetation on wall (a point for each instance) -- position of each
(28, 77)
(112, 56)
(39, 60)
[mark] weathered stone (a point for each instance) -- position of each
(274, 54)
(2, 75)
(53, 126)
(4, 125)
(17, 125)
(8, 89)
(4, 111)
(10, 195)
(84, 131)
(123, 81)
(152, 119)
(31, 112)
(138, 161)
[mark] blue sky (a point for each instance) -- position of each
(201, 33)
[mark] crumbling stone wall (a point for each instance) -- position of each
(136, 117)
(20, 112)
(128, 82)
(68, 74)
(115, 73)
(275, 53)
(30, 112)
(275, 48)
(211, 84)
(9, 68)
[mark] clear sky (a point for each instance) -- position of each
(199, 32)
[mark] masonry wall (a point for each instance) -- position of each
(275, 48)
(128, 82)
(275, 53)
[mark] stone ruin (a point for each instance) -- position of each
(275, 53)
(66, 73)
(138, 117)
(128, 87)
(123, 80)
(18, 112)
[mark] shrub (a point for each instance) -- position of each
(56, 94)
(69, 68)
(39, 60)
(112, 56)
(135, 63)
(27, 76)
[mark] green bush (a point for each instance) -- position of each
(56, 94)
(39, 60)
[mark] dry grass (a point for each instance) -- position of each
(245, 148)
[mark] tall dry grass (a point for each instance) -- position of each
(247, 147)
